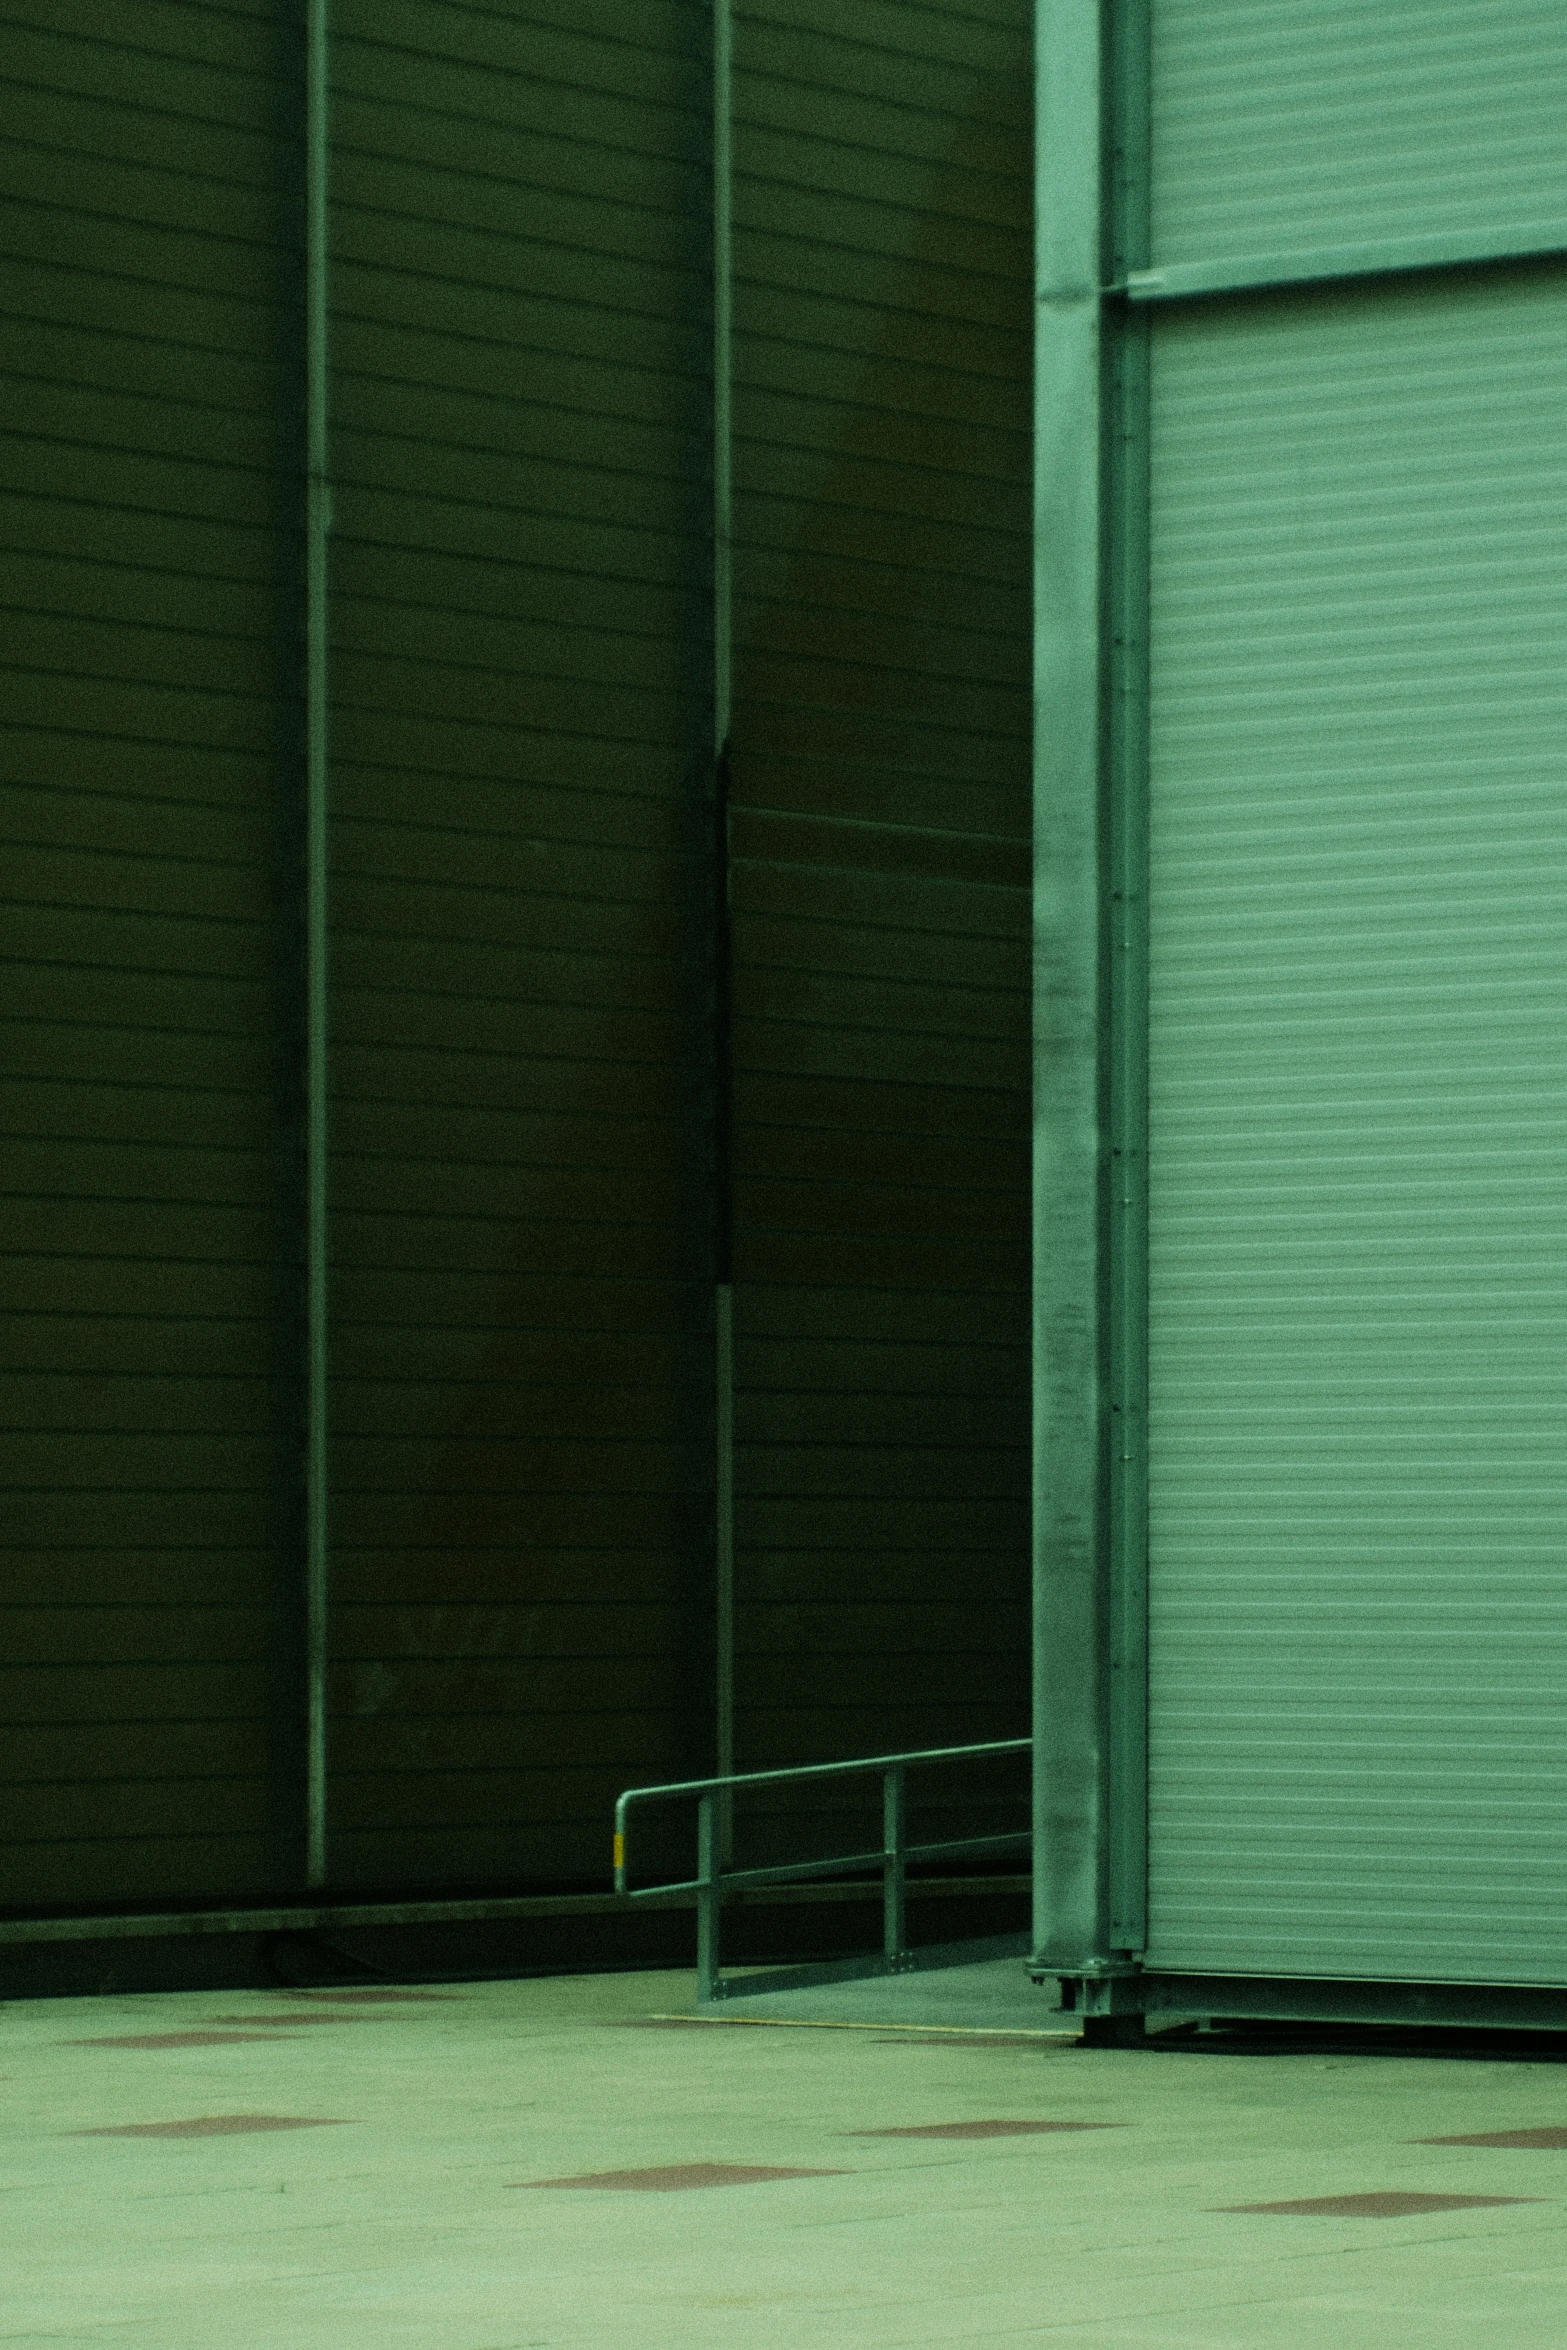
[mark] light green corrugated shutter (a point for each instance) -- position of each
(1358, 1409)
(1282, 124)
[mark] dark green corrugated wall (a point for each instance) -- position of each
(883, 318)
(521, 1399)
(148, 717)
(520, 314)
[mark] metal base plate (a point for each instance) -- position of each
(1284, 1998)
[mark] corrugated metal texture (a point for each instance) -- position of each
(145, 551)
(521, 1211)
(521, 1462)
(883, 259)
(1282, 124)
(1359, 1121)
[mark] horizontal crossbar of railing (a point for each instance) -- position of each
(791, 1871)
(799, 1772)
(712, 1881)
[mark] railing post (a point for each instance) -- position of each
(317, 874)
(894, 1934)
(709, 1895)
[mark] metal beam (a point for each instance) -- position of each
(723, 373)
(318, 524)
(1519, 2007)
(1175, 281)
(1070, 1009)
(340, 1917)
(723, 701)
(1126, 412)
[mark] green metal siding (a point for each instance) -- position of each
(880, 833)
(1358, 1126)
(146, 1623)
(1283, 124)
(518, 1475)
(520, 1055)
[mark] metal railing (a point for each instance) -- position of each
(713, 1880)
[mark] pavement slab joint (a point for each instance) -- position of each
(982, 2129)
(676, 2176)
(1379, 2203)
(215, 2125)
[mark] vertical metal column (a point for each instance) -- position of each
(1070, 1416)
(723, 673)
(1126, 395)
(894, 1877)
(709, 1899)
(318, 523)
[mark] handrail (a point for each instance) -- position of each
(712, 1880)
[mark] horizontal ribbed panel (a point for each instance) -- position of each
(1282, 124)
(1359, 1132)
(520, 1447)
(882, 309)
(520, 1248)
(522, 619)
(147, 1428)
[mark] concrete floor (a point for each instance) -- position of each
(443, 2193)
